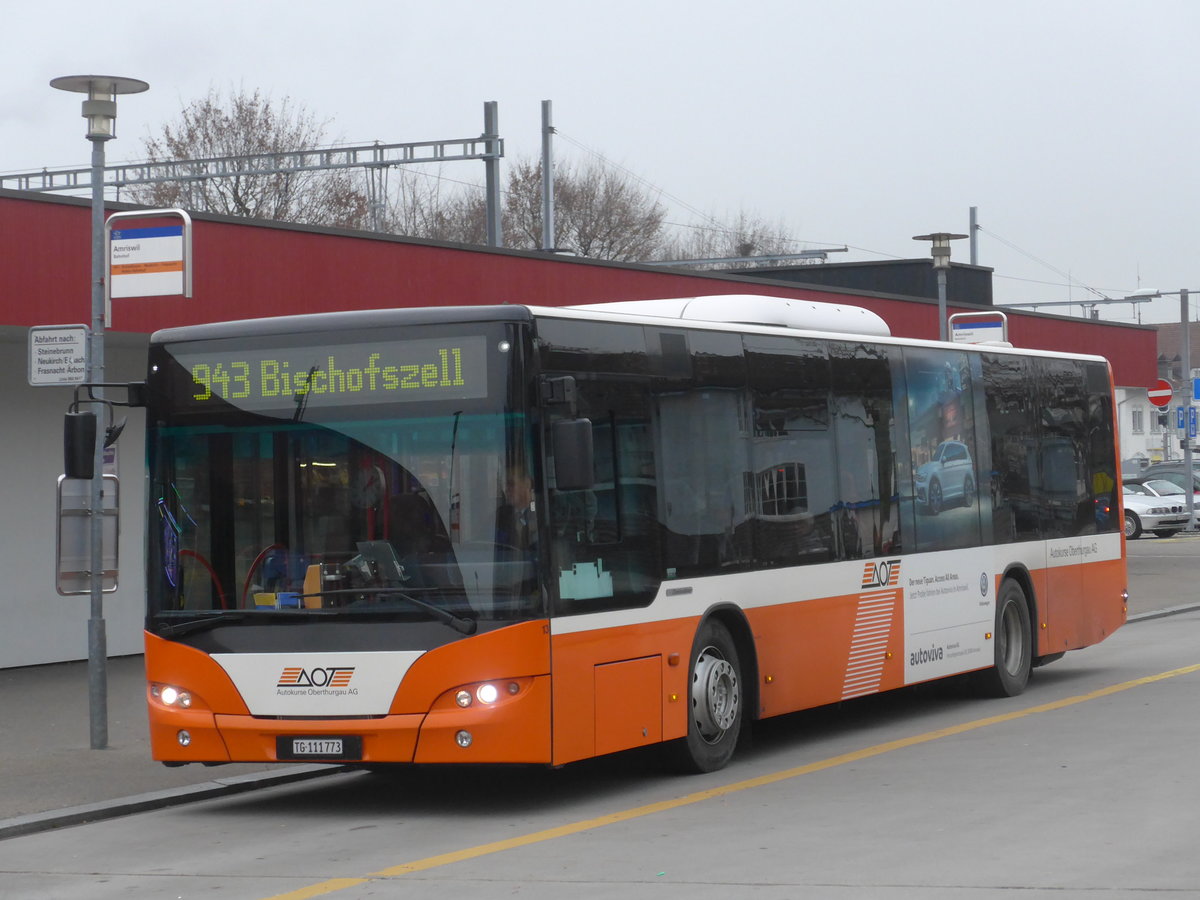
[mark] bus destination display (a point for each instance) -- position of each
(336, 374)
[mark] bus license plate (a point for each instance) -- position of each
(323, 747)
(319, 748)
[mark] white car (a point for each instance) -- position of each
(1154, 505)
(948, 477)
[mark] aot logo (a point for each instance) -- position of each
(881, 574)
(329, 676)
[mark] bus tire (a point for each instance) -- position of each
(715, 697)
(1012, 644)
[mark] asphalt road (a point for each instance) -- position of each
(1163, 573)
(1083, 787)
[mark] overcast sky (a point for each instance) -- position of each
(1072, 125)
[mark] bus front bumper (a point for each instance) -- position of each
(514, 731)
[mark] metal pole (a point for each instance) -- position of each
(973, 230)
(97, 642)
(1185, 351)
(491, 168)
(547, 178)
(942, 326)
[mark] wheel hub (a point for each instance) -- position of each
(716, 694)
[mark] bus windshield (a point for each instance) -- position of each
(290, 480)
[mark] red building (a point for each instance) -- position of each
(247, 269)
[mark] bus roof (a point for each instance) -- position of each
(734, 313)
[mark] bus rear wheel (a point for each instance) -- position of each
(714, 701)
(1012, 643)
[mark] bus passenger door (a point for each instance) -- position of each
(608, 672)
(1065, 509)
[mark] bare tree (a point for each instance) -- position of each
(244, 124)
(426, 205)
(599, 213)
(747, 236)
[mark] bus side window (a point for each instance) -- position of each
(604, 554)
(867, 505)
(946, 466)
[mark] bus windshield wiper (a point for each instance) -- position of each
(210, 622)
(204, 624)
(461, 624)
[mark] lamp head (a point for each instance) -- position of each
(941, 246)
(100, 107)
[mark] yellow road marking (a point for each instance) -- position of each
(549, 834)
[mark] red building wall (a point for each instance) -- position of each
(244, 269)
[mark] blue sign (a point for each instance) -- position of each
(1191, 421)
(1196, 388)
(1179, 418)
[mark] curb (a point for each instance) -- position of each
(1162, 613)
(111, 809)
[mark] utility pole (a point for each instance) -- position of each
(973, 230)
(547, 178)
(491, 171)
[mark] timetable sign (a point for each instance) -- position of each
(58, 355)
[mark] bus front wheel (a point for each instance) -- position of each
(1012, 643)
(714, 700)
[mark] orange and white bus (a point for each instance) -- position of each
(512, 534)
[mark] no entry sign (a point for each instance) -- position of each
(1161, 393)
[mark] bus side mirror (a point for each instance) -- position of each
(79, 445)
(573, 466)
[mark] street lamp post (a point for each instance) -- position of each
(1185, 351)
(100, 110)
(941, 263)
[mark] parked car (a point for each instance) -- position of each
(1175, 472)
(1154, 505)
(949, 476)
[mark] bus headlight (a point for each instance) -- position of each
(487, 693)
(169, 695)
